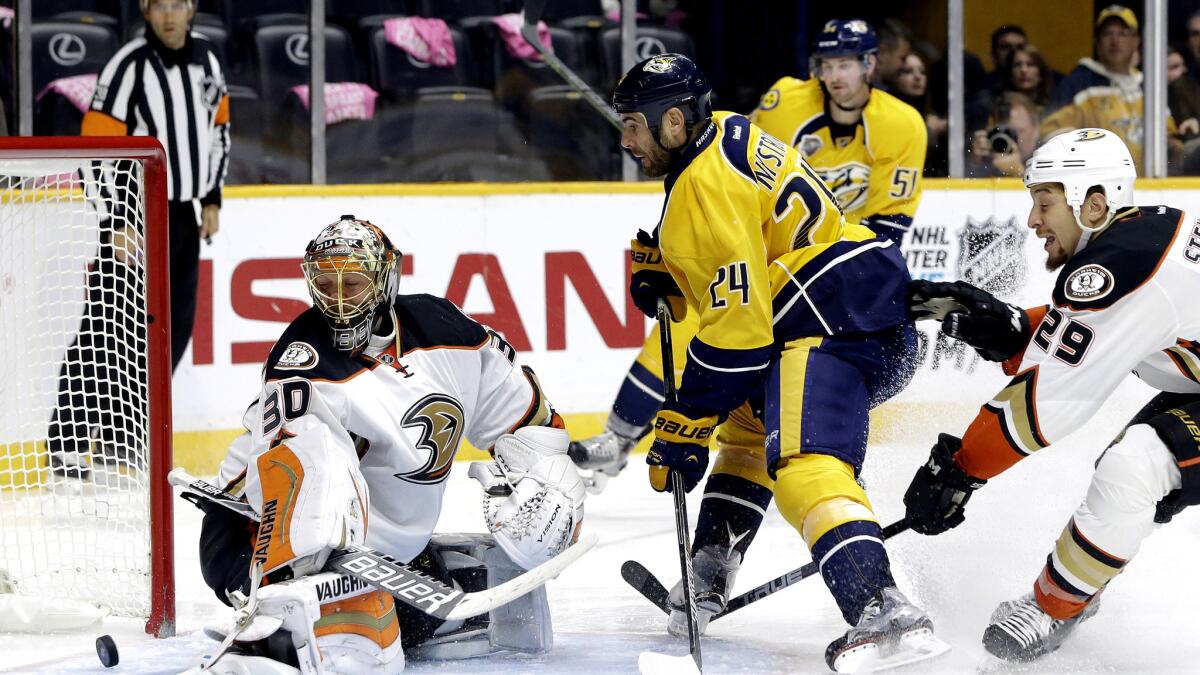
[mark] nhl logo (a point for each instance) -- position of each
(991, 255)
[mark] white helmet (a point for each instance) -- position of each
(1083, 158)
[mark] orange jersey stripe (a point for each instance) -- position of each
(96, 123)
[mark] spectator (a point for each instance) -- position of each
(1183, 95)
(895, 42)
(1005, 39)
(1011, 139)
(1107, 92)
(1025, 71)
(912, 87)
(1193, 42)
(1117, 44)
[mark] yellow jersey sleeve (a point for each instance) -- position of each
(897, 139)
(712, 242)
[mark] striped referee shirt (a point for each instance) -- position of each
(179, 97)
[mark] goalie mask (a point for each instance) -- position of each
(350, 270)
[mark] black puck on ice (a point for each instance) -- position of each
(106, 649)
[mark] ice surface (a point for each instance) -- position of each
(1147, 622)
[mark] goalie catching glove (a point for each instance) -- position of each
(649, 279)
(996, 329)
(533, 496)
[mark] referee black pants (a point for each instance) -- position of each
(102, 383)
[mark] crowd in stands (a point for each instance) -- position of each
(467, 99)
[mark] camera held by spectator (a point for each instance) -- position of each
(1003, 148)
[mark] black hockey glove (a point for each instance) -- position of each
(995, 329)
(939, 492)
(649, 279)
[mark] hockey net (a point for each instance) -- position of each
(85, 511)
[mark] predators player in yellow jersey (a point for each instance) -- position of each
(801, 329)
(865, 144)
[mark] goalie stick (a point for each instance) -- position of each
(401, 581)
(644, 582)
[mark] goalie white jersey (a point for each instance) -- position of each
(403, 406)
(1126, 303)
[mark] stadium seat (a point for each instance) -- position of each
(573, 13)
(573, 139)
(62, 49)
(453, 10)
(364, 15)
(282, 59)
(91, 18)
(398, 75)
(515, 78)
(651, 40)
(249, 15)
(464, 136)
(53, 8)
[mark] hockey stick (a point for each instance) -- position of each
(533, 13)
(404, 583)
(677, 491)
(641, 579)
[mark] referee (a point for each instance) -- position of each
(169, 85)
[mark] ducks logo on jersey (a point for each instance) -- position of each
(439, 419)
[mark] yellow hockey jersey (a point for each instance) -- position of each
(874, 167)
(737, 200)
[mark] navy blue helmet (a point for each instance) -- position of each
(843, 37)
(660, 83)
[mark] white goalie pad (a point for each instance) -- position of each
(541, 515)
(311, 496)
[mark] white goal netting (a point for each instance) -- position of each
(75, 505)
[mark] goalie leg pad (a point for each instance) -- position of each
(311, 497)
(334, 622)
(476, 562)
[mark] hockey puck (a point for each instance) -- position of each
(106, 649)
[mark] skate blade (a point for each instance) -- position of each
(653, 663)
(595, 481)
(871, 657)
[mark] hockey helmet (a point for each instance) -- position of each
(843, 37)
(1080, 160)
(660, 83)
(350, 270)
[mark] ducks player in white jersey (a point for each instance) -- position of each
(1123, 302)
(365, 400)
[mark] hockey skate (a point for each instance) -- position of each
(602, 456)
(891, 632)
(1021, 631)
(713, 572)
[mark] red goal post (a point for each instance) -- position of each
(85, 506)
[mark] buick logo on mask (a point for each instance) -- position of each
(297, 48)
(67, 49)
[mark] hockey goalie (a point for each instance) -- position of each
(365, 400)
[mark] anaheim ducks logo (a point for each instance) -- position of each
(440, 421)
(1089, 134)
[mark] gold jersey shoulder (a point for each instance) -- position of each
(737, 199)
(873, 167)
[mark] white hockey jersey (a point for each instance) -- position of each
(1128, 302)
(405, 404)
